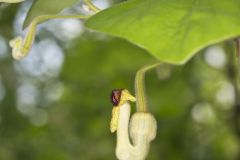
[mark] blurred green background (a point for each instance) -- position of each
(55, 105)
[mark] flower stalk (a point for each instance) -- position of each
(21, 46)
(91, 6)
(140, 87)
(11, 1)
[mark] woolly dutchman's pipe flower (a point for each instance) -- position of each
(142, 128)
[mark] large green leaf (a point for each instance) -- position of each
(43, 7)
(171, 30)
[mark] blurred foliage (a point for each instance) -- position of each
(193, 123)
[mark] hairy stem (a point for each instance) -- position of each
(141, 102)
(92, 6)
(21, 46)
(11, 1)
(238, 48)
(43, 18)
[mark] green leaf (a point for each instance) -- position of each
(171, 30)
(44, 7)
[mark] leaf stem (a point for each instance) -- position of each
(11, 1)
(92, 6)
(141, 101)
(43, 18)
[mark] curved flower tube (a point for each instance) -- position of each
(143, 128)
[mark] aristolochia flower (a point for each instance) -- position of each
(142, 128)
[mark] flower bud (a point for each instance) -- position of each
(21, 46)
(16, 45)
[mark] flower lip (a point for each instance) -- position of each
(116, 96)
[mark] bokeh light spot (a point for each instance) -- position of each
(203, 113)
(225, 94)
(215, 57)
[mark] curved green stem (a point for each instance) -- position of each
(141, 101)
(40, 19)
(43, 18)
(91, 5)
(21, 47)
(11, 1)
(32, 28)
